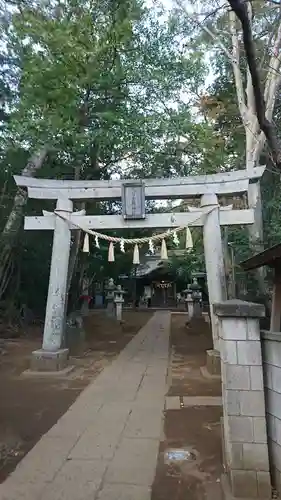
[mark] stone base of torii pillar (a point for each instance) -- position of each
(49, 361)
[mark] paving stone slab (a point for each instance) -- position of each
(149, 395)
(134, 462)
(124, 492)
(128, 383)
(73, 424)
(151, 400)
(154, 371)
(114, 412)
(42, 463)
(157, 386)
(10, 490)
(202, 401)
(112, 429)
(135, 366)
(172, 403)
(96, 446)
(77, 480)
(117, 394)
(144, 423)
(90, 401)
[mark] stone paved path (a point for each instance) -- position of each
(105, 447)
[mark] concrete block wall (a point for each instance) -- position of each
(271, 354)
(244, 416)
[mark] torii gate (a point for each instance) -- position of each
(210, 215)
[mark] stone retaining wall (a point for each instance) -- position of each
(244, 415)
(271, 354)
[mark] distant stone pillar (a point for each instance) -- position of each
(53, 356)
(275, 317)
(119, 310)
(118, 300)
(244, 420)
(110, 298)
(85, 296)
(197, 309)
(197, 304)
(190, 305)
(214, 259)
(85, 307)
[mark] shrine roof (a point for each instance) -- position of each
(270, 257)
(147, 268)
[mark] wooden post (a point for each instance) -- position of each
(275, 319)
(214, 259)
(57, 294)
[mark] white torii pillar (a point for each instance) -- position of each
(53, 356)
(214, 259)
(57, 293)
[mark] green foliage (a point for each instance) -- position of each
(100, 84)
(189, 261)
(271, 195)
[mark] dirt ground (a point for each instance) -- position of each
(189, 346)
(31, 406)
(195, 429)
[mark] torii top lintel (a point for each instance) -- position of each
(179, 187)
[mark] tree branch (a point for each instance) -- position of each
(252, 125)
(273, 80)
(211, 34)
(241, 11)
(273, 75)
(275, 2)
(236, 66)
(271, 87)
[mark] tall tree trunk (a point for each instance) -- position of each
(262, 96)
(74, 251)
(227, 263)
(73, 259)
(256, 231)
(10, 232)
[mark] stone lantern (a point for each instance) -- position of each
(119, 300)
